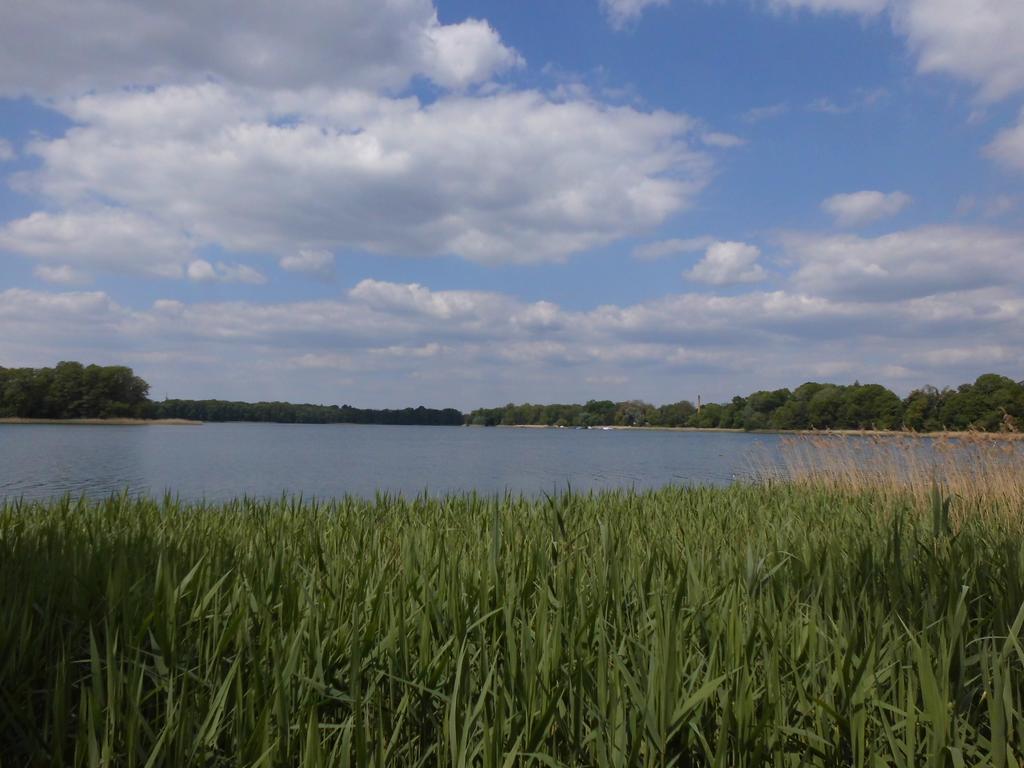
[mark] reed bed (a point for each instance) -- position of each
(756, 625)
(981, 474)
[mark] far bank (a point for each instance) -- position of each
(116, 422)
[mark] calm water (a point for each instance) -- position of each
(222, 461)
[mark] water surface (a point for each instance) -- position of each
(222, 461)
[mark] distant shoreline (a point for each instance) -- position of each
(123, 422)
(116, 422)
(801, 432)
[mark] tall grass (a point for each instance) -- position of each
(755, 625)
(982, 474)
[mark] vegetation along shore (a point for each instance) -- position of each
(115, 421)
(992, 403)
(850, 615)
(74, 391)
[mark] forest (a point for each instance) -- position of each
(71, 390)
(993, 403)
(301, 413)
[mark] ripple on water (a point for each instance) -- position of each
(222, 461)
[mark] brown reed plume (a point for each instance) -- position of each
(979, 472)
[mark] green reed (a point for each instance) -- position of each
(747, 626)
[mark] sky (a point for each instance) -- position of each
(464, 204)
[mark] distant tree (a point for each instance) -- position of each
(673, 414)
(633, 413)
(71, 390)
(823, 407)
(921, 409)
(709, 417)
(992, 402)
(869, 406)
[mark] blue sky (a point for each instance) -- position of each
(458, 203)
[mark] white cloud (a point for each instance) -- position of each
(33, 319)
(512, 177)
(416, 299)
(6, 151)
(857, 208)
(866, 7)
(862, 99)
(768, 112)
(622, 12)
(466, 53)
(989, 355)
(202, 271)
(991, 207)
(68, 46)
(170, 306)
(722, 140)
(62, 275)
(433, 349)
(978, 41)
(108, 238)
(1008, 147)
(1000, 205)
(661, 249)
(914, 263)
(827, 106)
(404, 343)
(728, 263)
(310, 262)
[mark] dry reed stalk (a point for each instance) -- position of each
(982, 474)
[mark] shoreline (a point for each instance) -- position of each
(114, 422)
(128, 422)
(798, 432)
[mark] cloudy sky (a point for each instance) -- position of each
(466, 203)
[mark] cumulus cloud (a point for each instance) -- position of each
(722, 140)
(61, 275)
(470, 348)
(54, 47)
(6, 151)
(461, 54)
(108, 238)
(768, 112)
(1008, 146)
(857, 208)
(310, 262)
(415, 299)
(513, 177)
(978, 41)
(622, 12)
(867, 7)
(985, 355)
(290, 131)
(202, 271)
(36, 318)
(909, 264)
(861, 99)
(728, 263)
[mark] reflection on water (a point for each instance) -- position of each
(222, 461)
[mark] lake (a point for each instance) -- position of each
(223, 461)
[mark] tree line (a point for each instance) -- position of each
(993, 403)
(71, 390)
(299, 413)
